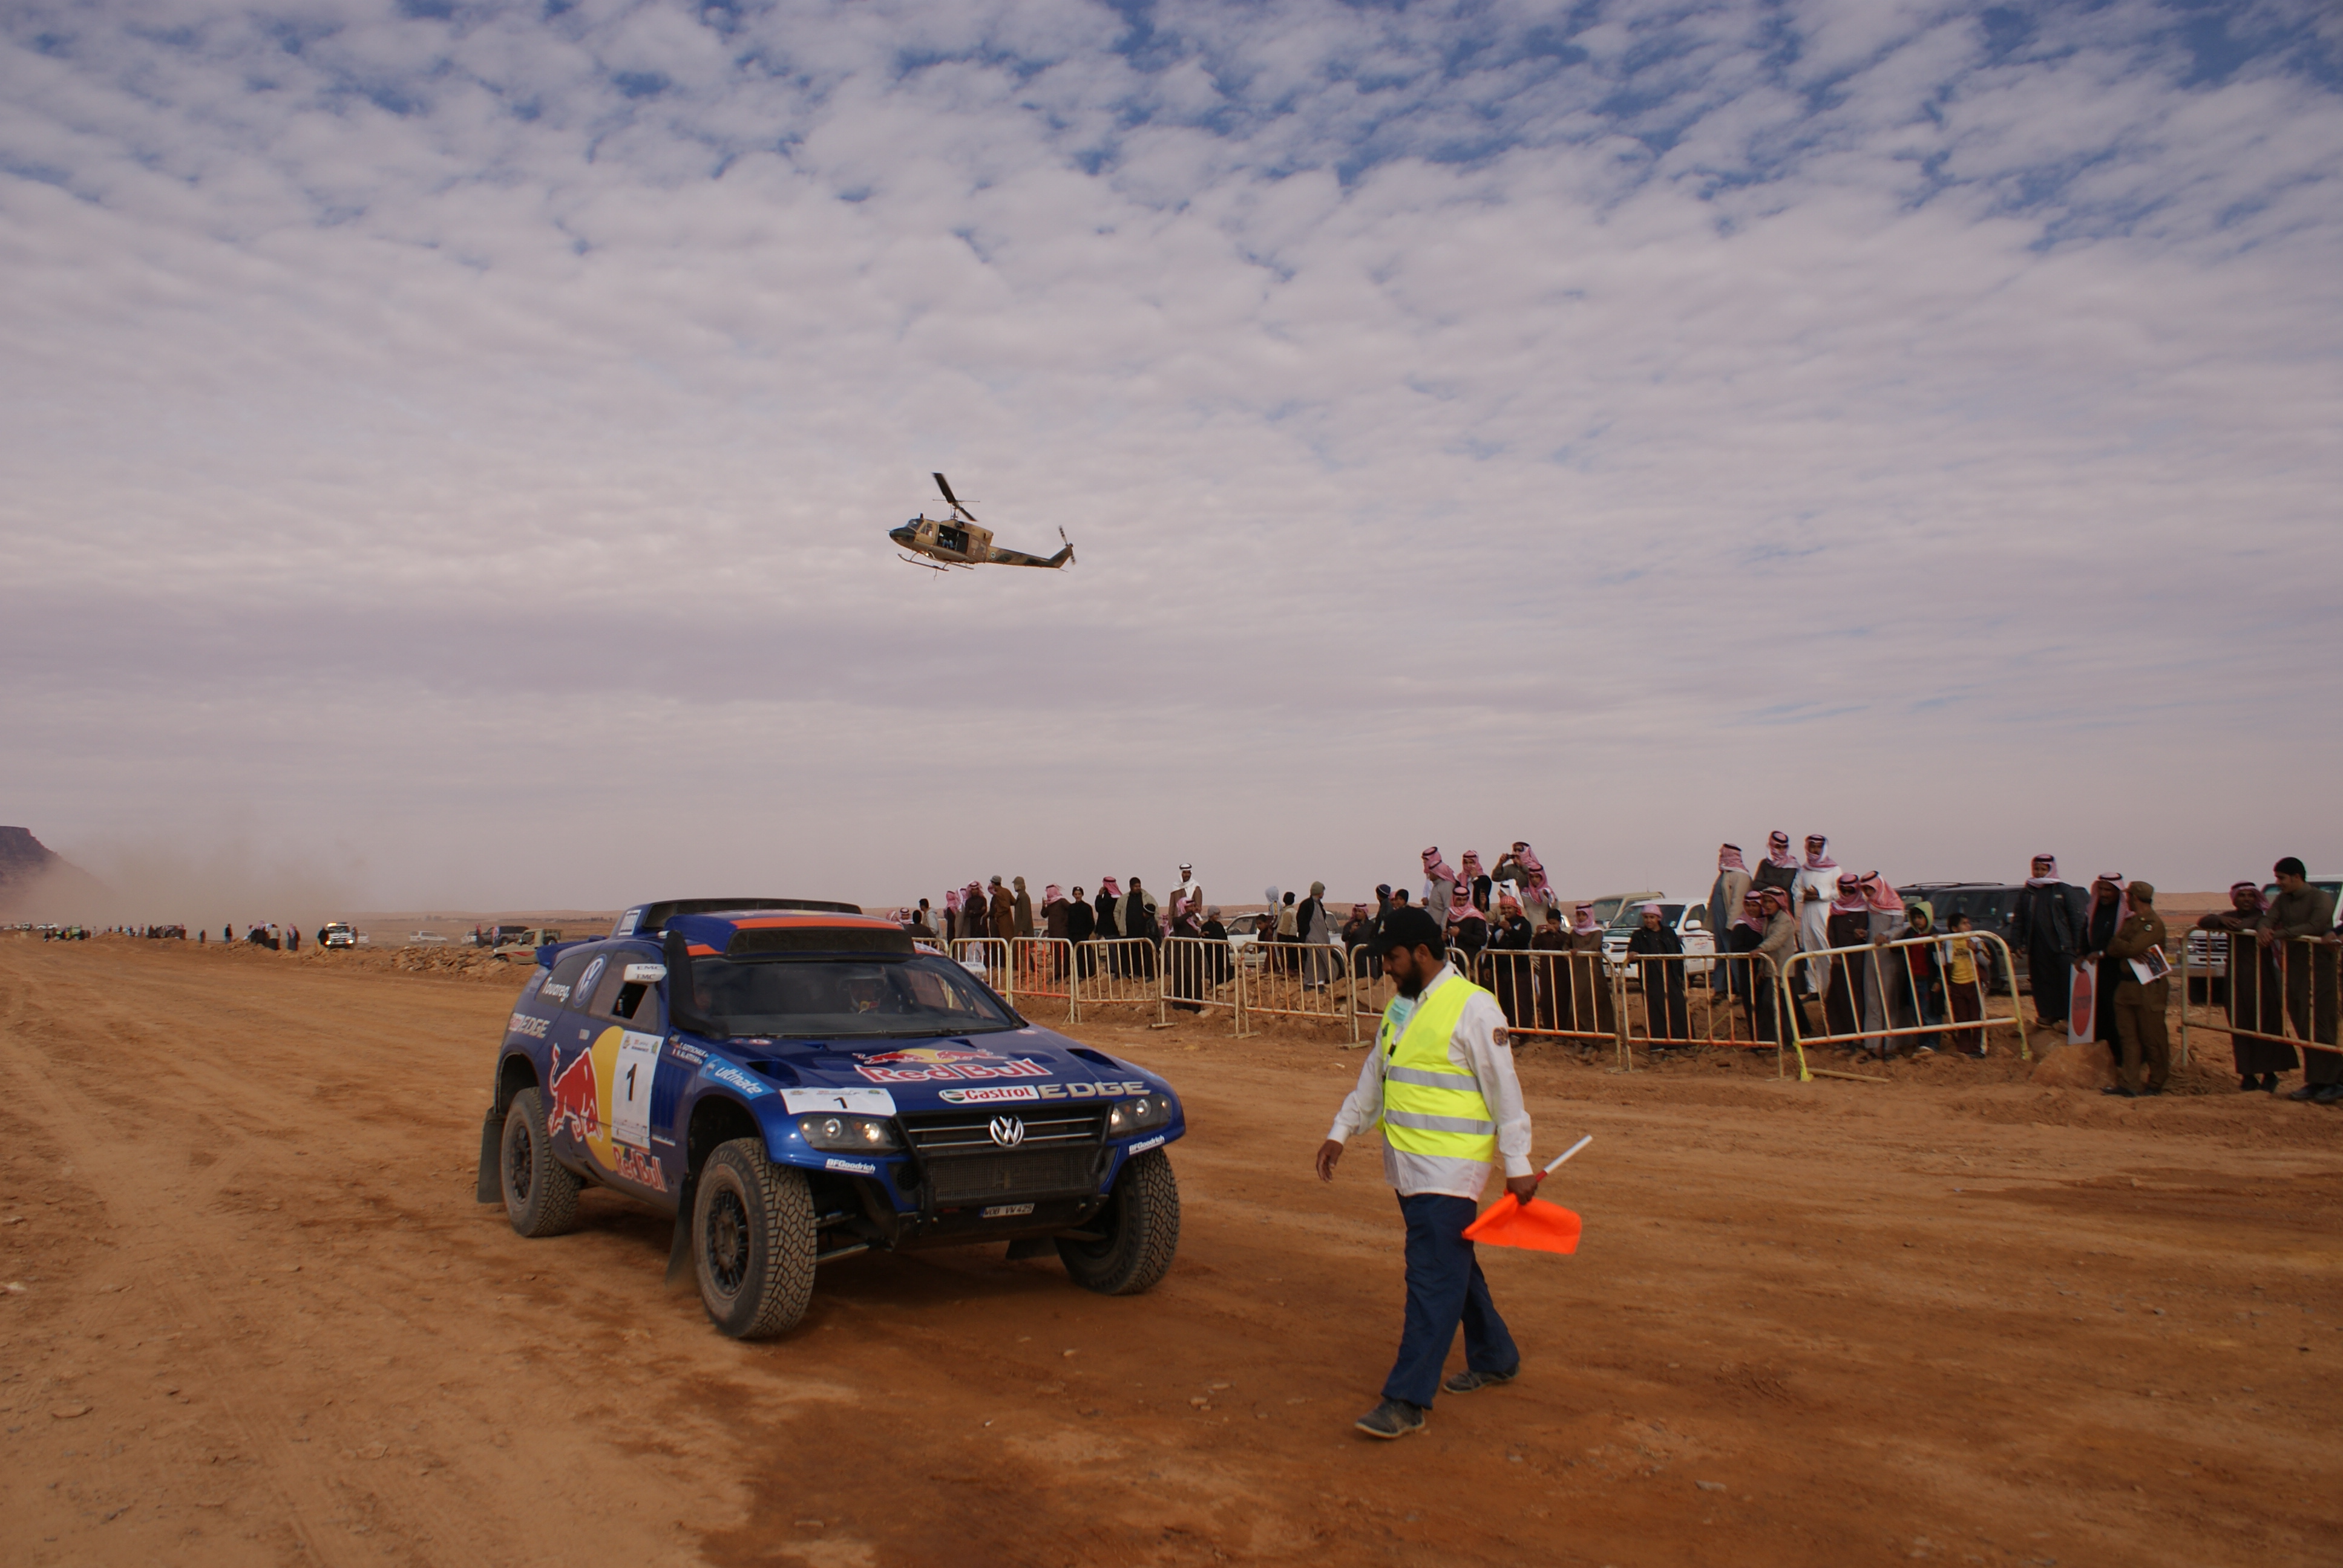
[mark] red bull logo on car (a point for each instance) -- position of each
(931, 1053)
(575, 1097)
(929, 1064)
(641, 1165)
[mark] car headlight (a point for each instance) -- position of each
(847, 1134)
(1138, 1115)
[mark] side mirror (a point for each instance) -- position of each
(679, 1009)
(646, 973)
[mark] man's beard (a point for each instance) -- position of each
(1413, 985)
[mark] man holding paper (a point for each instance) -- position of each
(1439, 1084)
(2142, 993)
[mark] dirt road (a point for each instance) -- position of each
(263, 1320)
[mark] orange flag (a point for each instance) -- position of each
(1538, 1225)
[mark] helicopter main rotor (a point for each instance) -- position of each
(958, 509)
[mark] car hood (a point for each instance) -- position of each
(1022, 1065)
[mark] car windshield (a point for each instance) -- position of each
(1632, 917)
(891, 999)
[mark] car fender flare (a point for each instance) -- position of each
(516, 1070)
(715, 1115)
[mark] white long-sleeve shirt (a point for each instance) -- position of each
(1478, 1046)
(1814, 915)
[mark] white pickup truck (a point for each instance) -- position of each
(1689, 921)
(2209, 952)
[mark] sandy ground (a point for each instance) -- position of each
(1960, 1318)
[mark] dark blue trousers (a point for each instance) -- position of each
(1444, 1287)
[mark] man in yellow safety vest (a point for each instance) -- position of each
(1440, 1086)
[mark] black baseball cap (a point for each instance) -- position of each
(1408, 927)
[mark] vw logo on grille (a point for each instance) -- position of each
(1008, 1131)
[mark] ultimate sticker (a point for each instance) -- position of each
(731, 1077)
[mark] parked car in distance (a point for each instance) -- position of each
(337, 934)
(1990, 907)
(1688, 920)
(1246, 933)
(425, 939)
(1607, 907)
(2209, 952)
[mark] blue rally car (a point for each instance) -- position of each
(795, 1082)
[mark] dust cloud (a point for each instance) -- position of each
(139, 882)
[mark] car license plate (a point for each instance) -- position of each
(1008, 1211)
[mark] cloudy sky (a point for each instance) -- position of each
(448, 445)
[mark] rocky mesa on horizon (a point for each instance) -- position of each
(30, 872)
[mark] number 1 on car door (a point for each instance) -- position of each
(630, 1097)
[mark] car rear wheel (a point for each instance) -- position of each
(752, 1241)
(1139, 1228)
(540, 1195)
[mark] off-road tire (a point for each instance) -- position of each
(540, 1195)
(752, 1241)
(1142, 1225)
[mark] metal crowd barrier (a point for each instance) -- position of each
(1042, 968)
(2288, 993)
(1744, 1012)
(1368, 997)
(1200, 974)
(1274, 955)
(1553, 995)
(1300, 980)
(1864, 995)
(2221, 1004)
(1118, 972)
(1579, 996)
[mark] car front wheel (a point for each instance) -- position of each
(752, 1241)
(1138, 1228)
(540, 1195)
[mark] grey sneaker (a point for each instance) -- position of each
(1466, 1381)
(1393, 1418)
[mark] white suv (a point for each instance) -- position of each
(1689, 921)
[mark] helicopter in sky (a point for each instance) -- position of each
(958, 541)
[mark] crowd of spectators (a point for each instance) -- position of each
(1891, 979)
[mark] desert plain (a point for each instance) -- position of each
(253, 1314)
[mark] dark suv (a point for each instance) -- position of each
(1990, 907)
